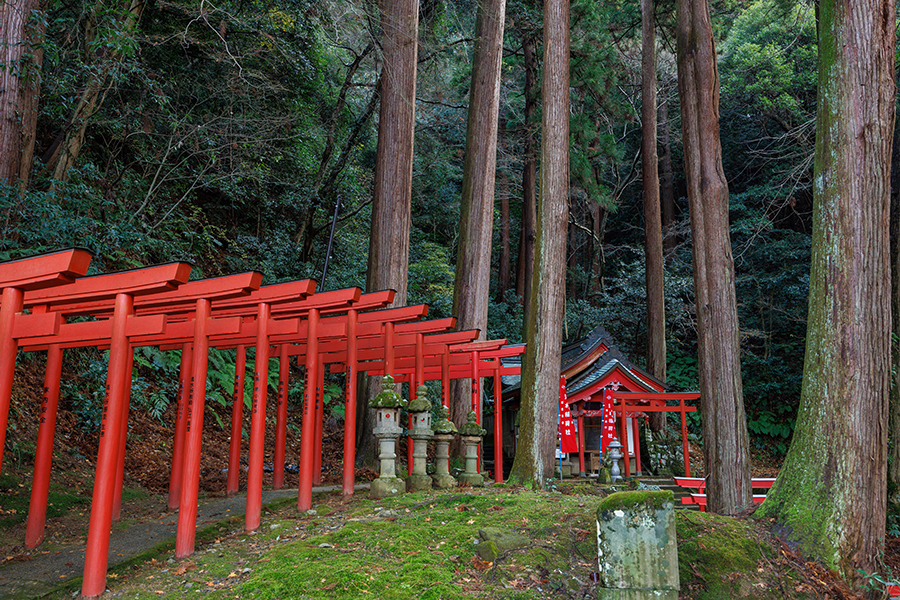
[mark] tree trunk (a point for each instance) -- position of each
(503, 196)
(666, 179)
(725, 440)
(392, 198)
(653, 248)
(22, 28)
(533, 463)
(525, 264)
(503, 267)
(598, 215)
(105, 61)
(471, 291)
(831, 495)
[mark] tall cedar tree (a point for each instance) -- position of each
(533, 463)
(831, 493)
(725, 440)
(473, 260)
(22, 26)
(388, 265)
(525, 262)
(653, 246)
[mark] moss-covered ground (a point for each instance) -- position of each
(423, 545)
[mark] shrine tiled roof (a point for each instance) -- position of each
(587, 361)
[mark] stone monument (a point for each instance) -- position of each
(387, 429)
(471, 434)
(444, 432)
(420, 412)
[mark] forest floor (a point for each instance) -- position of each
(358, 537)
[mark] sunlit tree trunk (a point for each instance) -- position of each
(725, 439)
(22, 26)
(533, 463)
(653, 248)
(830, 495)
(392, 199)
(471, 291)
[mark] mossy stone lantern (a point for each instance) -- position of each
(420, 413)
(387, 429)
(471, 434)
(444, 432)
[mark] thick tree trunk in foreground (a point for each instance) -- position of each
(831, 495)
(653, 247)
(21, 32)
(392, 199)
(540, 376)
(471, 291)
(725, 440)
(525, 263)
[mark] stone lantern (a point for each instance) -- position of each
(387, 429)
(420, 431)
(615, 453)
(471, 434)
(444, 432)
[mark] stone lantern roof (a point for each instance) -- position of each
(471, 427)
(420, 403)
(444, 424)
(388, 398)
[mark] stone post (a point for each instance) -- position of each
(636, 547)
(387, 429)
(420, 411)
(444, 432)
(471, 434)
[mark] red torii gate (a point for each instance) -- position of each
(471, 360)
(120, 288)
(97, 333)
(370, 332)
(381, 343)
(628, 404)
(261, 331)
(16, 278)
(311, 330)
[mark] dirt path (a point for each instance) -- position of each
(38, 574)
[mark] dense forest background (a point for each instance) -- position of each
(227, 134)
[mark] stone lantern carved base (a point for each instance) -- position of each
(471, 475)
(387, 486)
(442, 478)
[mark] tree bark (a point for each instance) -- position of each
(22, 29)
(471, 291)
(388, 265)
(533, 463)
(503, 266)
(830, 495)
(525, 264)
(666, 178)
(725, 439)
(653, 247)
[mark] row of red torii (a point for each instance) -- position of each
(157, 306)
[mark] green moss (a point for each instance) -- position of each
(724, 557)
(655, 500)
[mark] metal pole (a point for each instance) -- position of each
(337, 207)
